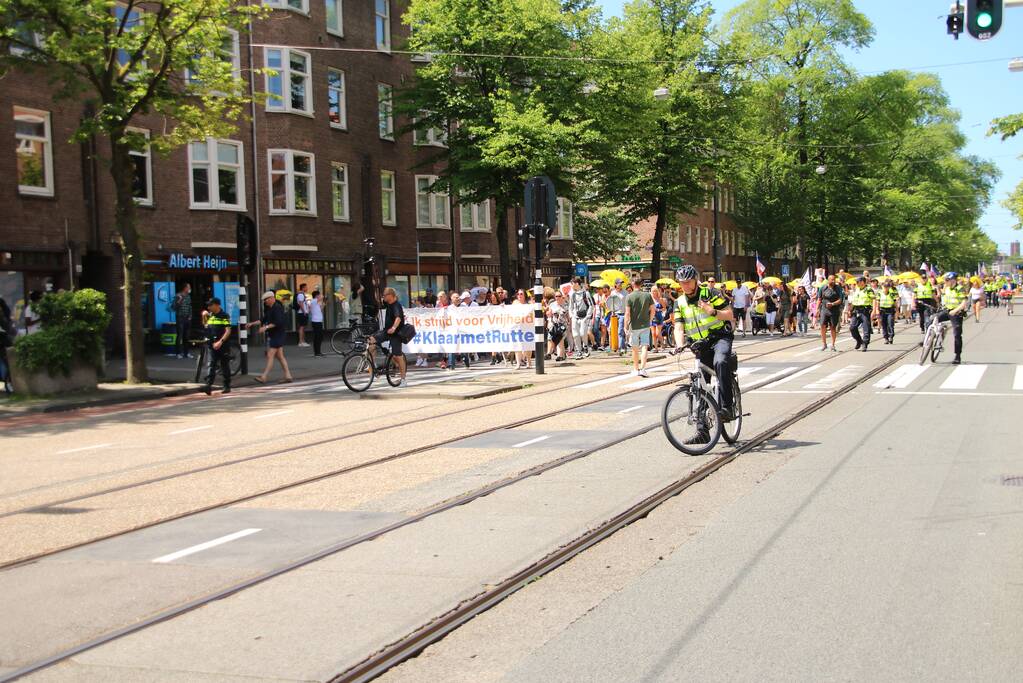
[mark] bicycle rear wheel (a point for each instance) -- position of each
(691, 416)
(200, 362)
(393, 373)
(342, 341)
(730, 430)
(357, 372)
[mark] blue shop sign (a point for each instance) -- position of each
(201, 262)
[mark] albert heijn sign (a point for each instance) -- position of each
(200, 262)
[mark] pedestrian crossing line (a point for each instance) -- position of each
(743, 371)
(835, 379)
(797, 375)
(964, 377)
(621, 378)
(1017, 382)
(901, 377)
(950, 393)
(771, 376)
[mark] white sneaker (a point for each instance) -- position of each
(642, 373)
(402, 384)
(634, 373)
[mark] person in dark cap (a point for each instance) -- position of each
(217, 325)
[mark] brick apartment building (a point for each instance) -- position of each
(319, 169)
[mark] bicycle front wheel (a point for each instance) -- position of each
(393, 373)
(730, 430)
(925, 352)
(357, 372)
(936, 347)
(341, 341)
(200, 362)
(691, 421)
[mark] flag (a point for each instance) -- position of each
(983, 270)
(761, 269)
(934, 271)
(924, 267)
(887, 271)
(805, 281)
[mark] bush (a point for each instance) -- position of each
(73, 324)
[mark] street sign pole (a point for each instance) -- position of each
(541, 203)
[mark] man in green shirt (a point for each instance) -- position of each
(639, 311)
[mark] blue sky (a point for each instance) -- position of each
(911, 34)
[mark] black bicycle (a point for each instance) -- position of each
(234, 358)
(692, 417)
(344, 339)
(360, 368)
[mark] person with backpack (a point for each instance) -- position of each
(183, 314)
(300, 304)
(580, 311)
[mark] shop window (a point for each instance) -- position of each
(292, 186)
(382, 12)
(216, 175)
(431, 206)
(142, 170)
(564, 231)
(337, 108)
(388, 199)
(34, 151)
(339, 190)
(385, 110)
(335, 20)
(475, 217)
(287, 81)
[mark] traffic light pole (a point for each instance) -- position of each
(539, 323)
(243, 319)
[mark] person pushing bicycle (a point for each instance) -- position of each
(708, 322)
(954, 304)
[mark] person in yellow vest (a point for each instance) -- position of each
(925, 296)
(708, 322)
(862, 307)
(888, 303)
(217, 324)
(954, 304)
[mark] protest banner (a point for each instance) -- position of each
(471, 329)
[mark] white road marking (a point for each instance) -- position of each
(84, 448)
(531, 441)
(164, 559)
(629, 410)
(646, 382)
(789, 391)
(743, 371)
(797, 375)
(771, 376)
(946, 393)
(190, 429)
(1017, 382)
(964, 377)
(902, 377)
(836, 378)
(620, 378)
(274, 414)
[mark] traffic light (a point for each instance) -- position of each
(983, 18)
(955, 20)
(545, 246)
(524, 241)
(245, 241)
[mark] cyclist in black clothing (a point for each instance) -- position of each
(394, 317)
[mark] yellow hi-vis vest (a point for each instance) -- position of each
(862, 298)
(925, 290)
(890, 299)
(699, 325)
(952, 297)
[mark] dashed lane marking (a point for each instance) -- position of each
(538, 439)
(84, 448)
(164, 559)
(190, 429)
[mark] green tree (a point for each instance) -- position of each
(123, 61)
(497, 78)
(1007, 127)
(605, 233)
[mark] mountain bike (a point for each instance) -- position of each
(693, 410)
(344, 339)
(234, 358)
(934, 339)
(360, 368)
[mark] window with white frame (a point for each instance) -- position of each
(475, 217)
(431, 206)
(24, 40)
(388, 199)
(216, 175)
(292, 186)
(564, 230)
(337, 108)
(688, 246)
(229, 52)
(382, 10)
(287, 82)
(130, 20)
(142, 170)
(294, 5)
(385, 110)
(706, 240)
(433, 135)
(339, 190)
(335, 18)
(34, 150)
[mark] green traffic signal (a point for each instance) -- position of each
(984, 20)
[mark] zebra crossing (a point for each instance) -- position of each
(972, 379)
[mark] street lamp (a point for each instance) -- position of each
(661, 94)
(822, 169)
(1016, 65)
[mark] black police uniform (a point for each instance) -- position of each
(216, 325)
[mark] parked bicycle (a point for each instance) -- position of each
(934, 338)
(234, 358)
(344, 339)
(693, 411)
(360, 368)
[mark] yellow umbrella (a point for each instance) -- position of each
(795, 283)
(730, 284)
(909, 275)
(750, 284)
(665, 281)
(612, 274)
(850, 280)
(771, 280)
(598, 283)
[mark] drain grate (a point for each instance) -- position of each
(59, 510)
(1012, 480)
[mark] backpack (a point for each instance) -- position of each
(585, 309)
(406, 332)
(298, 307)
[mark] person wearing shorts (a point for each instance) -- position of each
(639, 311)
(831, 298)
(394, 317)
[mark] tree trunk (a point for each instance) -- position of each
(131, 260)
(504, 258)
(655, 251)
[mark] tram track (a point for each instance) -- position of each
(429, 633)
(42, 507)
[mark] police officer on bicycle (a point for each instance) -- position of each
(954, 304)
(708, 322)
(218, 329)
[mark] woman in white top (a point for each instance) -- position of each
(977, 299)
(314, 305)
